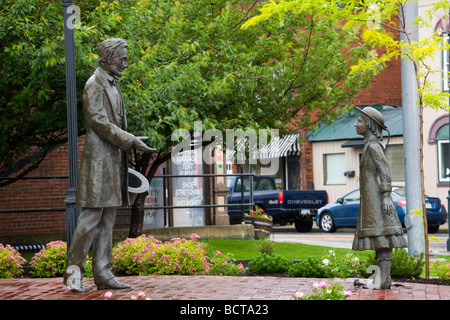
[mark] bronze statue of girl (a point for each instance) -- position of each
(378, 227)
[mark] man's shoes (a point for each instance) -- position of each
(112, 284)
(76, 285)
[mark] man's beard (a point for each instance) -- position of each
(115, 70)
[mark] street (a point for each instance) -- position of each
(343, 238)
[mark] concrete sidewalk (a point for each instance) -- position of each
(211, 288)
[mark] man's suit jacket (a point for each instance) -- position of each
(103, 174)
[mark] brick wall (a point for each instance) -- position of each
(385, 88)
(40, 195)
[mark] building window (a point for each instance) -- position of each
(334, 168)
(394, 157)
(443, 160)
(293, 173)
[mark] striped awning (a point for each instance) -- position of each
(281, 147)
(277, 148)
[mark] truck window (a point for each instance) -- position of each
(259, 184)
(238, 187)
(264, 184)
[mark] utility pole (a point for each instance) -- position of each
(448, 164)
(72, 212)
(411, 138)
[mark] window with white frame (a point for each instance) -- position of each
(443, 160)
(334, 168)
(394, 157)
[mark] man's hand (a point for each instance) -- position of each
(138, 144)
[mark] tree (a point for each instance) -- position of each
(188, 61)
(376, 21)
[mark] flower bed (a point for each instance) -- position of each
(11, 262)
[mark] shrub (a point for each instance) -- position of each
(329, 266)
(266, 246)
(224, 265)
(308, 268)
(403, 265)
(146, 256)
(177, 256)
(123, 254)
(264, 263)
(442, 270)
(11, 262)
(322, 291)
(345, 266)
(50, 261)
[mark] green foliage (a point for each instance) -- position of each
(189, 60)
(11, 262)
(267, 264)
(403, 265)
(147, 256)
(309, 268)
(442, 270)
(123, 254)
(266, 246)
(376, 20)
(322, 291)
(50, 261)
(329, 266)
(224, 265)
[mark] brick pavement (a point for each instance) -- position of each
(210, 288)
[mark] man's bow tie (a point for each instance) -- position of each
(114, 82)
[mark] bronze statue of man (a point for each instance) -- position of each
(378, 227)
(103, 175)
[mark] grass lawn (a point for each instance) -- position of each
(247, 249)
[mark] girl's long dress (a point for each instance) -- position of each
(376, 229)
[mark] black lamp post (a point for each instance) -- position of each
(72, 212)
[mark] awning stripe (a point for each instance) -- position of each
(277, 148)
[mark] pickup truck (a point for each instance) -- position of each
(285, 206)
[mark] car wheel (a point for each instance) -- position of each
(433, 229)
(327, 223)
(303, 226)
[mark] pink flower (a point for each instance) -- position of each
(133, 297)
(194, 236)
(348, 293)
(298, 295)
(315, 285)
(325, 261)
(141, 294)
(322, 284)
(108, 294)
(218, 252)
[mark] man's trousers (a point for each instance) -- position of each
(94, 227)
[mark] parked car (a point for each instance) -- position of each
(343, 212)
(285, 206)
